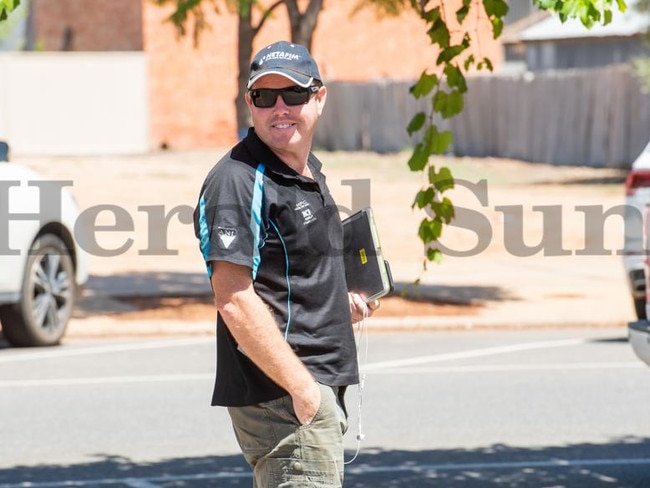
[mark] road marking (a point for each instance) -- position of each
(551, 463)
(106, 380)
(498, 368)
(67, 351)
(113, 380)
(140, 483)
(130, 481)
(361, 470)
(474, 353)
(382, 367)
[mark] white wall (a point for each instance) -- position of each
(74, 103)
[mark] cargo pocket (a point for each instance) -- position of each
(294, 473)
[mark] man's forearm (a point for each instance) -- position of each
(255, 330)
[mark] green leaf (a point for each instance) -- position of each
(495, 8)
(424, 198)
(446, 55)
(545, 4)
(434, 255)
(439, 33)
(455, 78)
(417, 122)
(437, 142)
(449, 53)
(424, 85)
(431, 16)
(430, 230)
(608, 17)
(485, 64)
(462, 12)
(469, 62)
(442, 142)
(6, 7)
(442, 179)
(497, 27)
(448, 104)
(447, 211)
(419, 158)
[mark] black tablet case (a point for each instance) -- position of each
(366, 271)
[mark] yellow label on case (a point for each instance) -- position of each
(362, 253)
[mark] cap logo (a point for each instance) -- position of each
(279, 55)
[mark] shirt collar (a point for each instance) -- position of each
(262, 153)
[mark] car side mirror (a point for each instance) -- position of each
(4, 151)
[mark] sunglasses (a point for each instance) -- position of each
(293, 95)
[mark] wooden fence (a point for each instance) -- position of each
(598, 117)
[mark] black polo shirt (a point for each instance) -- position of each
(257, 212)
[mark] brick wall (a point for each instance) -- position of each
(88, 25)
(192, 89)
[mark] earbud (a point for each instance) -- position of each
(361, 437)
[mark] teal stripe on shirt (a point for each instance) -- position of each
(204, 234)
(256, 215)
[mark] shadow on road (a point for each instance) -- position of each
(146, 283)
(109, 293)
(623, 463)
(454, 294)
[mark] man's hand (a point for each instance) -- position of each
(359, 308)
(254, 328)
(307, 403)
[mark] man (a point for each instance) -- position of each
(272, 240)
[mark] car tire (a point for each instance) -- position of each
(48, 293)
(639, 308)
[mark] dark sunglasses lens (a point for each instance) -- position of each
(295, 96)
(266, 97)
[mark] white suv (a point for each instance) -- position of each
(639, 331)
(637, 191)
(42, 268)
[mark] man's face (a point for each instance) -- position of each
(286, 128)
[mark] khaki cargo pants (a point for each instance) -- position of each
(285, 454)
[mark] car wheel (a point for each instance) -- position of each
(48, 293)
(639, 308)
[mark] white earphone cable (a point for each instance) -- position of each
(362, 337)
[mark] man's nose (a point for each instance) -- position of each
(280, 104)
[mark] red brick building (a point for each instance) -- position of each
(192, 90)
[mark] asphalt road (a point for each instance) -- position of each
(543, 408)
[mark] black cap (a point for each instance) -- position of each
(283, 58)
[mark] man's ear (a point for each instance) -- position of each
(321, 97)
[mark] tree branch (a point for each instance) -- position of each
(266, 14)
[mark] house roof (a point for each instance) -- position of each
(626, 24)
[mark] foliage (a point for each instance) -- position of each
(445, 86)
(7, 6)
(191, 13)
(450, 30)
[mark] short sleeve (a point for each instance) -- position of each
(227, 218)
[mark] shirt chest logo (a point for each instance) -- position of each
(304, 212)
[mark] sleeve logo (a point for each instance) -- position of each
(227, 236)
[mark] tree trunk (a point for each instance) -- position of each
(303, 24)
(246, 34)
(30, 29)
